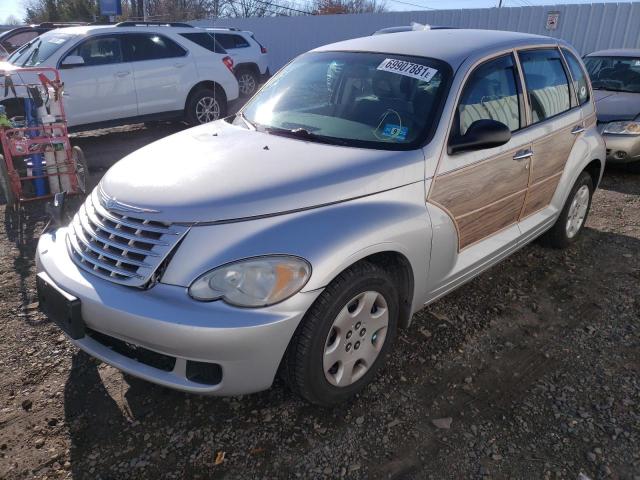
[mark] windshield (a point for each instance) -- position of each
(39, 49)
(619, 74)
(358, 99)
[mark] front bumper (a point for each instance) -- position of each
(248, 344)
(622, 149)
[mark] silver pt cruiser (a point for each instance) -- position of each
(367, 179)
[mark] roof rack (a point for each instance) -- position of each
(59, 24)
(153, 24)
(232, 29)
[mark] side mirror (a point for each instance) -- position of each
(72, 61)
(481, 134)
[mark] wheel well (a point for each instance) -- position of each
(400, 268)
(208, 84)
(247, 66)
(594, 169)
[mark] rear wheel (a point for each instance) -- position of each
(247, 82)
(204, 106)
(573, 215)
(345, 336)
(5, 184)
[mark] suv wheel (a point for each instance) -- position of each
(247, 82)
(204, 106)
(573, 216)
(344, 337)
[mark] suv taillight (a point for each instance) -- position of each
(228, 61)
(262, 49)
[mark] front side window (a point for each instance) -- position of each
(579, 77)
(39, 49)
(617, 74)
(546, 81)
(150, 46)
(490, 93)
(354, 98)
(101, 50)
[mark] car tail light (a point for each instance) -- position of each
(262, 49)
(228, 61)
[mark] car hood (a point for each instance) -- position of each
(220, 172)
(612, 106)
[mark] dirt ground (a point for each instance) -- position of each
(533, 367)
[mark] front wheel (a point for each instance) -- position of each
(204, 106)
(345, 336)
(573, 215)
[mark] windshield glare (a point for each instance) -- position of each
(39, 49)
(620, 74)
(359, 99)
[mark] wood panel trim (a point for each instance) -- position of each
(542, 191)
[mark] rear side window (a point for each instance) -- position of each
(579, 77)
(205, 40)
(150, 46)
(546, 81)
(491, 93)
(229, 40)
(99, 51)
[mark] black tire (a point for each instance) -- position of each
(5, 184)
(558, 236)
(248, 81)
(198, 100)
(303, 367)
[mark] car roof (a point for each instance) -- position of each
(453, 46)
(616, 52)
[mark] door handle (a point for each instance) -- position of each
(178, 65)
(577, 129)
(523, 154)
(123, 74)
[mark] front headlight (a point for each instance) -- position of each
(253, 282)
(623, 128)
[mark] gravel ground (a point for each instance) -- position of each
(529, 371)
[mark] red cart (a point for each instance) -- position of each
(38, 159)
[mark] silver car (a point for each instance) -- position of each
(615, 76)
(364, 181)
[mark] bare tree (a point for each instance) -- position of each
(259, 8)
(12, 20)
(332, 7)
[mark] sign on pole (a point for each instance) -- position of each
(552, 20)
(110, 8)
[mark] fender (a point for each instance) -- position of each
(331, 238)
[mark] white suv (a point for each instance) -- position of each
(250, 59)
(117, 74)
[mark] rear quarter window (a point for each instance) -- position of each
(205, 40)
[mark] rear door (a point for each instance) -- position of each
(162, 72)
(555, 120)
(102, 89)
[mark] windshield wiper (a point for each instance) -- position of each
(304, 134)
(244, 118)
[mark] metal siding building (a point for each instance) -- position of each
(588, 27)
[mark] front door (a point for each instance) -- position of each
(102, 89)
(483, 191)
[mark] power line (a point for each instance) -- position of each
(414, 4)
(306, 12)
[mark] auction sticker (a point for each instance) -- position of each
(408, 69)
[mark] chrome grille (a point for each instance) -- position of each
(118, 247)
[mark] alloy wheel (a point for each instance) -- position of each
(207, 110)
(577, 211)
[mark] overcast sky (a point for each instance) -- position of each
(16, 8)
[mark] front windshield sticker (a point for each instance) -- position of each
(408, 69)
(636, 63)
(57, 40)
(395, 132)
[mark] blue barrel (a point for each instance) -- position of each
(40, 184)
